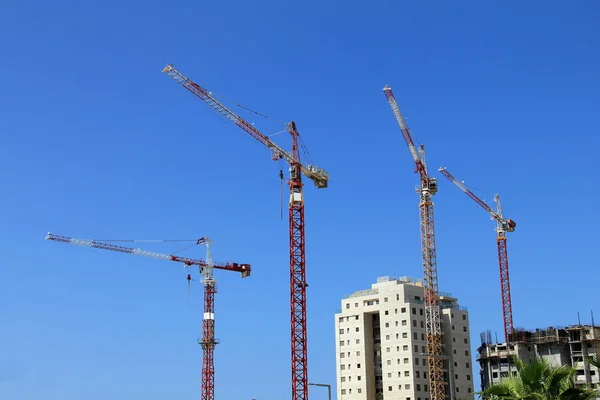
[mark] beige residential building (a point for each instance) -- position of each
(381, 344)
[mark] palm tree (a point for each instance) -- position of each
(595, 361)
(538, 380)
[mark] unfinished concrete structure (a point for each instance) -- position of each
(559, 346)
(381, 344)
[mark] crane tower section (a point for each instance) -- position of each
(427, 188)
(503, 225)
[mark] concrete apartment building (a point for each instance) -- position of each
(381, 344)
(559, 346)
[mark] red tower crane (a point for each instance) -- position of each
(296, 225)
(208, 340)
(502, 226)
(427, 188)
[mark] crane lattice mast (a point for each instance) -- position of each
(296, 225)
(427, 188)
(502, 226)
(208, 340)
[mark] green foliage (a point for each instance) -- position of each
(538, 380)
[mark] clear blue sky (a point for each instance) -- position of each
(97, 143)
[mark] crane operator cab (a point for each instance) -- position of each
(510, 225)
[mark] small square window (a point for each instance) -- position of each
(414, 323)
(357, 329)
(389, 388)
(347, 305)
(385, 299)
(404, 335)
(414, 310)
(387, 312)
(464, 317)
(403, 309)
(406, 361)
(406, 373)
(403, 322)
(464, 328)
(407, 386)
(466, 341)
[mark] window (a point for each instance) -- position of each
(343, 379)
(452, 315)
(389, 374)
(343, 391)
(422, 336)
(466, 352)
(420, 311)
(464, 316)
(416, 347)
(385, 299)
(387, 350)
(415, 323)
(453, 340)
(349, 391)
(387, 337)
(454, 351)
(387, 324)
(468, 365)
(342, 355)
(343, 366)
(387, 312)
(358, 365)
(404, 335)
(399, 374)
(389, 388)
(341, 342)
(407, 386)
(406, 373)
(398, 363)
(397, 296)
(349, 378)
(423, 349)
(417, 361)
(457, 389)
(466, 341)
(405, 347)
(396, 336)
(355, 304)
(358, 378)
(347, 305)
(389, 362)
(422, 325)
(357, 341)
(469, 389)
(358, 353)
(417, 297)
(415, 335)
(397, 348)
(425, 377)
(424, 388)
(396, 323)
(418, 387)
(456, 364)
(395, 311)
(455, 376)
(414, 310)
(417, 373)
(453, 327)
(357, 329)
(341, 331)
(494, 374)
(468, 377)
(356, 317)
(403, 309)
(359, 390)
(403, 322)
(464, 328)
(406, 361)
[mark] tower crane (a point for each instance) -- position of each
(503, 225)
(208, 340)
(427, 188)
(296, 225)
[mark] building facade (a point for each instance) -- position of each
(558, 346)
(381, 344)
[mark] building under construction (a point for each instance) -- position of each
(559, 346)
